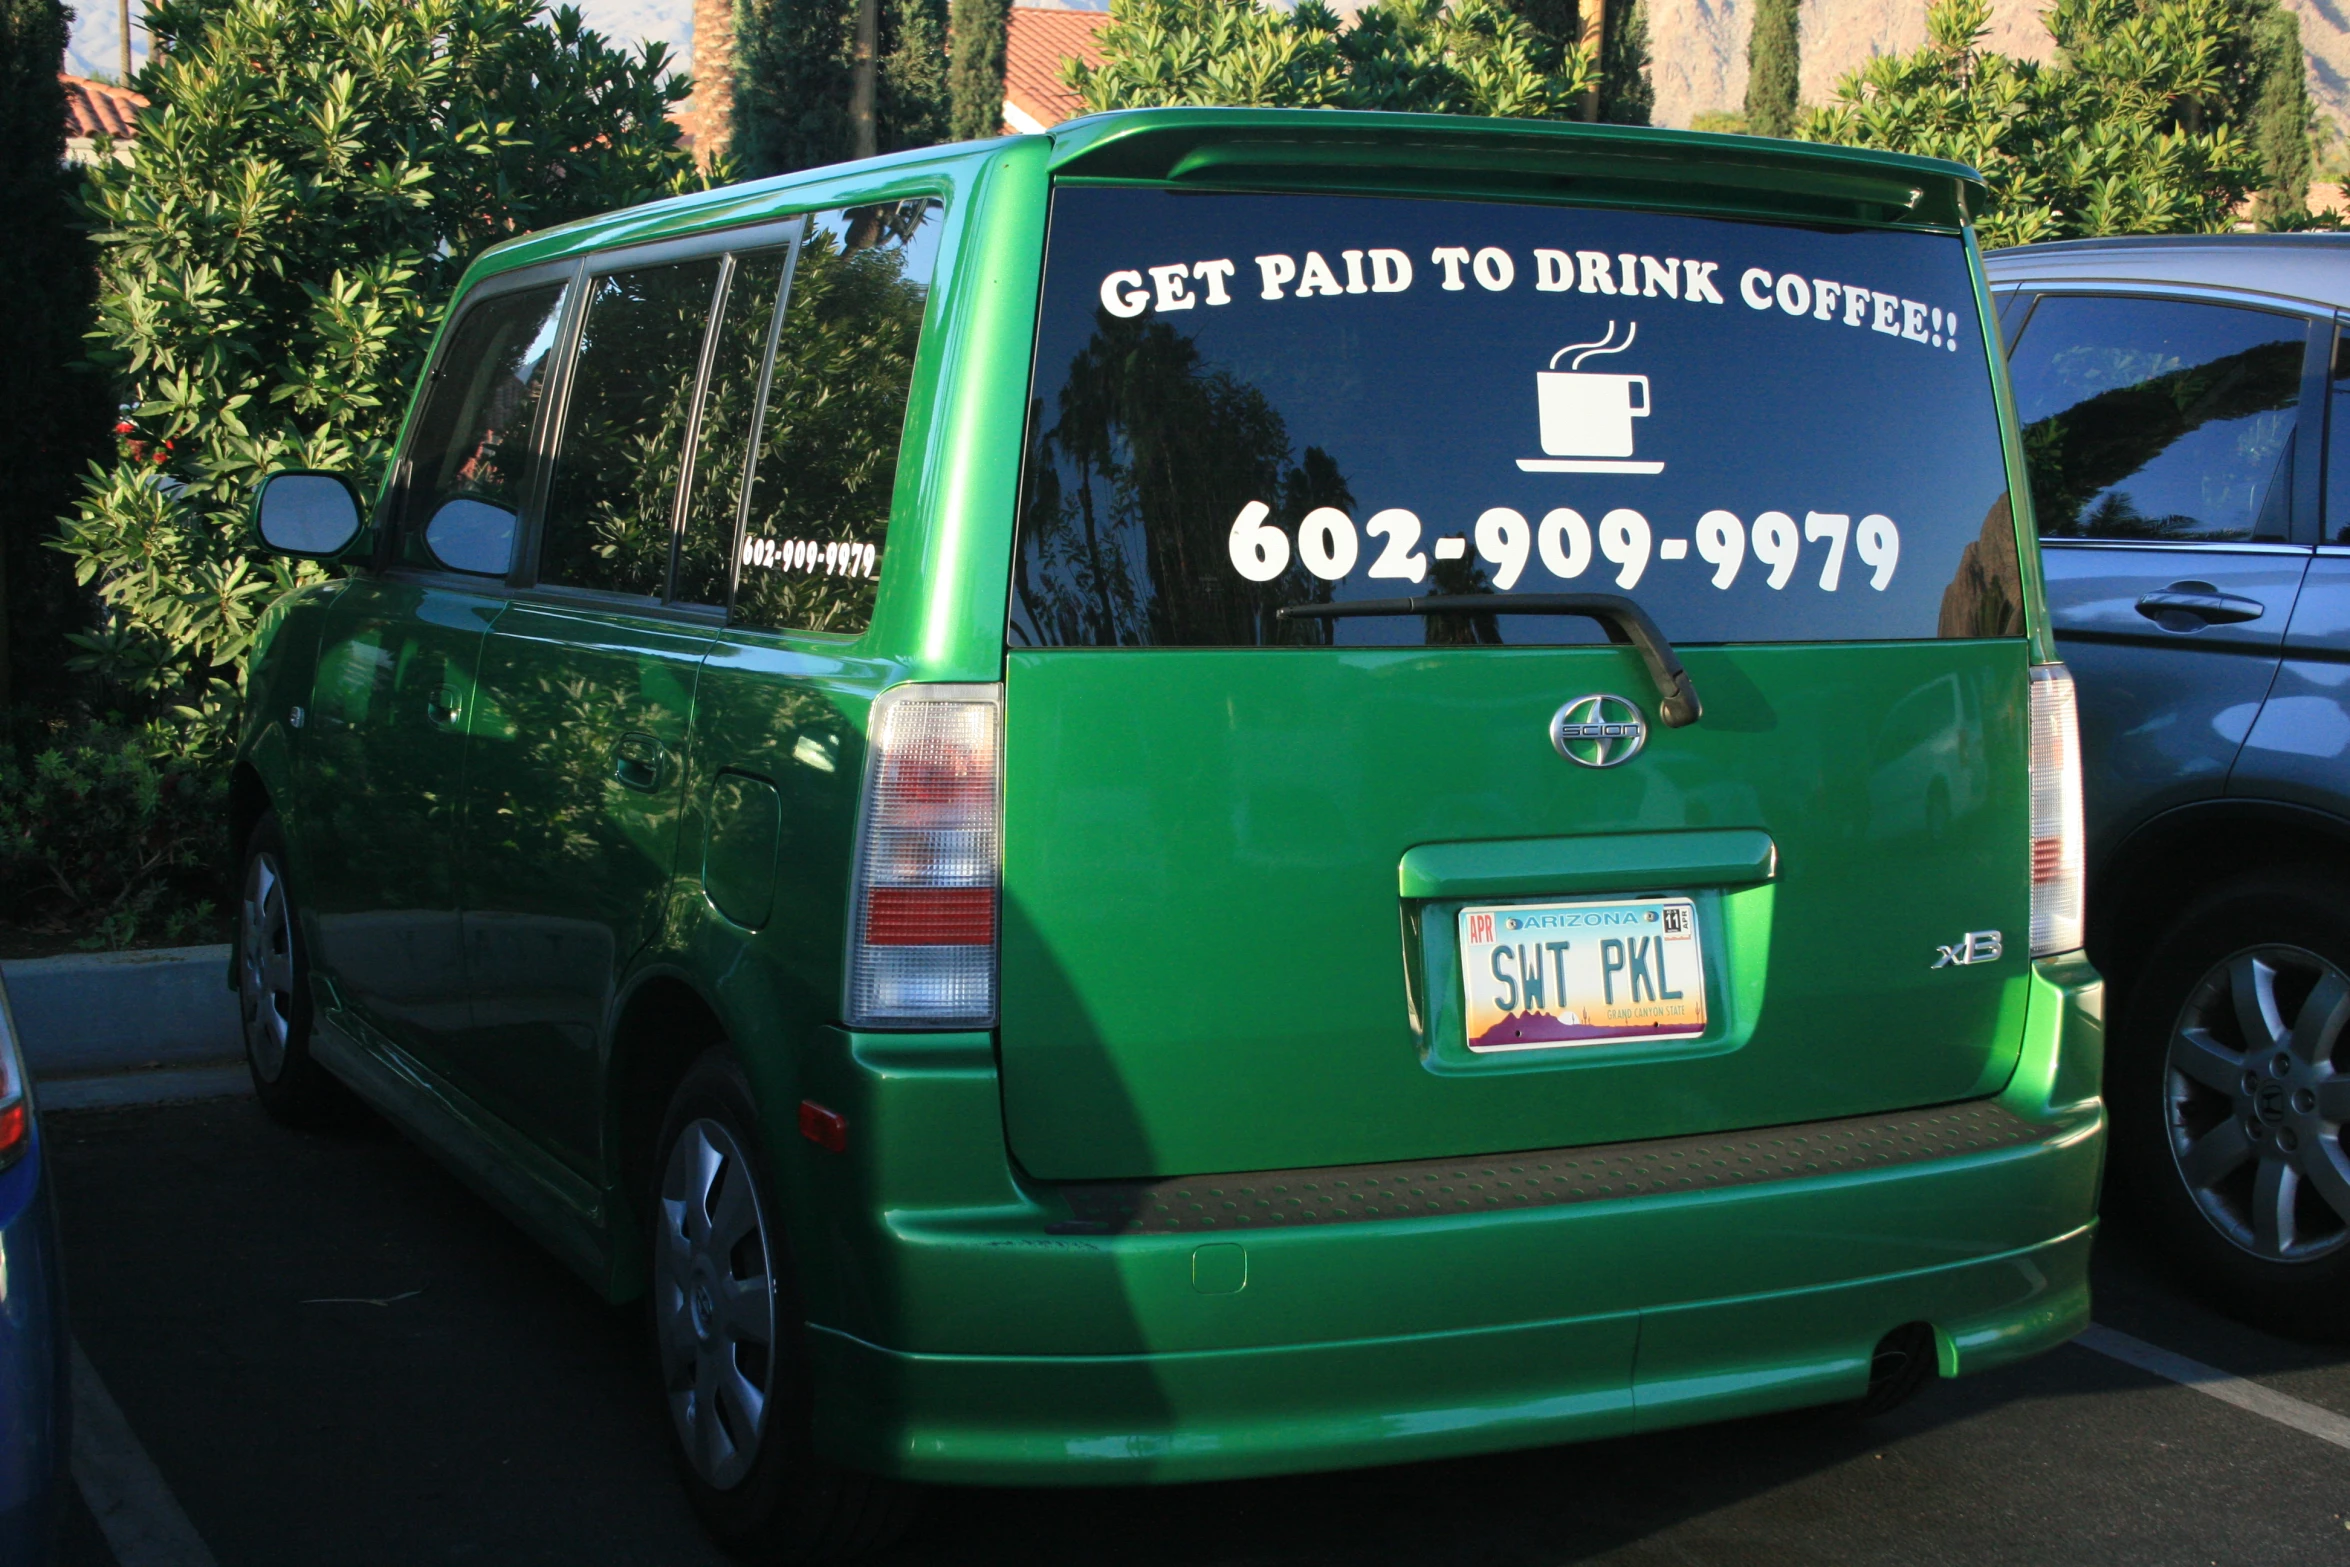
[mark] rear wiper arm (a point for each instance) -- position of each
(1624, 620)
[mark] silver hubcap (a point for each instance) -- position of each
(714, 1303)
(265, 966)
(2256, 1106)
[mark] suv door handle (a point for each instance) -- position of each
(636, 761)
(442, 705)
(2190, 606)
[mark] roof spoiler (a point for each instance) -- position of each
(1592, 165)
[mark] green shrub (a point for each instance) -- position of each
(111, 834)
(2127, 131)
(298, 206)
(1472, 57)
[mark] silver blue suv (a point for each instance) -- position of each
(2185, 405)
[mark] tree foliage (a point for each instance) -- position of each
(794, 77)
(2280, 118)
(2128, 131)
(1774, 68)
(1473, 57)
(301, 200)
(107, 833)
(975, 74)
(1627, 93)
(56, 416)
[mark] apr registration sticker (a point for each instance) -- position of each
(1545, 975)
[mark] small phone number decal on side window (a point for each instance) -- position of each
(1328, 547)
(812, 557)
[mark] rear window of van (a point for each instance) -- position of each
(1243, 403)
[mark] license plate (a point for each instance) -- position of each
(1544, 975)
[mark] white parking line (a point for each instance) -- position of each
(135, 1510)
(2242, 1392)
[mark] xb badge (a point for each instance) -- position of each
(1599, 731)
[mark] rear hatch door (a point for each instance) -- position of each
(1341, 887)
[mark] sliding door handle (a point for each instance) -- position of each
(638, 761)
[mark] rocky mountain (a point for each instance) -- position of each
(1698, 47)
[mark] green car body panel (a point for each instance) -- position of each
(529, 834)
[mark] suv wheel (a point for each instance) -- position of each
(2228, 1106)
(726, 1338)
(273, 987)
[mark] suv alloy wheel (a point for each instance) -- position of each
(2229, 1104)
(273, 986)
(724, 1316)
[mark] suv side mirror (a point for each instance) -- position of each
(305, 513)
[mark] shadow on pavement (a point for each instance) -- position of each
(225, 1273)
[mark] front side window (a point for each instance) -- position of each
(2157, 419)
(826, 460)
(469, 462)
(612, 506)
(1245, 404)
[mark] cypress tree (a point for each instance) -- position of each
(1774, 68)
(2280, 119)
(798, 99)
(55, 415)
(975, 81)
(1626, 94)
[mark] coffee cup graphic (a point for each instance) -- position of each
(1587, 415)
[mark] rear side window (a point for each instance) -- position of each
(1244, 403)
(469, 462)
(826, 459)
(626, 423)
(722, 442)
(2158, 419)
(2338, 446)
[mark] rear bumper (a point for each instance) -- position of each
(1010, 1341)
(1205, 1415)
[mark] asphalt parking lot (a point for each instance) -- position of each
(333, 1353)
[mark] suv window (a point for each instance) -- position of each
(2338, 446)
(469, 461)
(827, 455)
(1245, 403)
(729, 414)
(2158, 419)
(612, 508)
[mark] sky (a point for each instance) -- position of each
(97, 35)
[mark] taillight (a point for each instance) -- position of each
(2056, 813)
(922, 942)
(16, 1109)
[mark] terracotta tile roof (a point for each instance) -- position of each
(1034, 47)
(96, 109)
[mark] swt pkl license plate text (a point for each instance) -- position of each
(1544, 975)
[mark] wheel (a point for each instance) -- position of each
(725, 1322)
(273, 988)
(2228, 1105)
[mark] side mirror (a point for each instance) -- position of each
(313, 515)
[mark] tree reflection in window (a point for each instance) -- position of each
(470, 455)
(827, 456)
(1150, 452)
(613, 502)
(729, 408)
(2158, 419)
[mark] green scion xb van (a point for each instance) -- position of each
(1219, 792)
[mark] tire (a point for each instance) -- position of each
(2228, 1105)
(273, 988)
(723, 1313)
